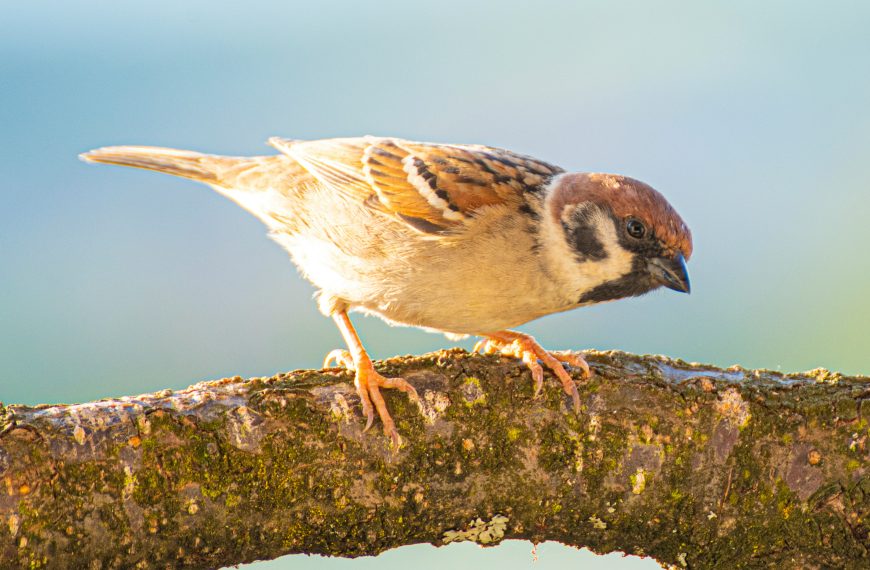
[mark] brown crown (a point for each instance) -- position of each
(626, 197)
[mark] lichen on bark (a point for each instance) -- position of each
(695, 466)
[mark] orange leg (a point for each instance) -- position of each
(527, 349)
(368, 382)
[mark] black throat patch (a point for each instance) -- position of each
(635, 283)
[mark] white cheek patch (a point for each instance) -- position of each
(583, 276)
(618, 261)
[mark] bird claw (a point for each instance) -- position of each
(525, 348)
(342, 359)
(368, 384)
(537, 370)
(574, 359)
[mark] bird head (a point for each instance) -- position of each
(622, 237)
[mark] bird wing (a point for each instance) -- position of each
(431, 187)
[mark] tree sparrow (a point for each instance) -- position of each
(460, 239)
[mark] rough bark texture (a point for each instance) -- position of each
(695, 466)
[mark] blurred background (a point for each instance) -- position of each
(752, 118)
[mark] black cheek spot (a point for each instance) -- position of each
(584, 239)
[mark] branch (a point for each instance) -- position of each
(695, 466)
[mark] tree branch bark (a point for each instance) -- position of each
(695, 466)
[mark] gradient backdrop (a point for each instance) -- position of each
(751, 117)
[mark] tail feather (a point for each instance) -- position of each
(187, 164)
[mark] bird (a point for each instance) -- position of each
(460, 239)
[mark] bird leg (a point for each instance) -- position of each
(527, 349)
(368, 382)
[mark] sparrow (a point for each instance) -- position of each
(455, 238)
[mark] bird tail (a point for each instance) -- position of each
(207, 168)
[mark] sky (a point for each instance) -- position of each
(752, 118)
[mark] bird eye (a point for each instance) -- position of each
(635, 228)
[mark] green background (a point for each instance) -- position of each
(751, 117)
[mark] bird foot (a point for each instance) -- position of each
(527, 349)
(368, 384)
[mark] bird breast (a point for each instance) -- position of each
(487, 278)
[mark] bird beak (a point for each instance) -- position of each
(671, 273)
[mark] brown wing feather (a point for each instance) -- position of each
(432, 187)
(386, 167)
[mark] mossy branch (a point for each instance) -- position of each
(695, 466)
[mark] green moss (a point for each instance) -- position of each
(552, 473)
(6, 417)
(558, 448)
(639, 480)
(473, 394)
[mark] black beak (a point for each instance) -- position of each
(671, 273)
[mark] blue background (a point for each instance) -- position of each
(752, 118)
